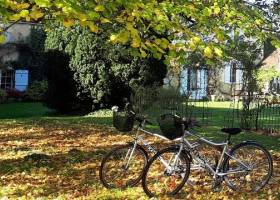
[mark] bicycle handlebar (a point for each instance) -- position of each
(141, 118)
(138, 117)
(190, 123)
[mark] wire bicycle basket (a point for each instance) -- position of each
(123, 120)
(170, 126)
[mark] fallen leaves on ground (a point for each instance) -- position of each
(53, 160)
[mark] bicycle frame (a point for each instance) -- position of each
(140, 139)
(186, 145)
(203, 163)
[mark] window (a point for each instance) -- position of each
(275, 85)
(7, 80)
(233, 73)
(192, 79)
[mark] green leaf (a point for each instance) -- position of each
(216, 9)
(2, 39)
(43, 3)
(99, 8)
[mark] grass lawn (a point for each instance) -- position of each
(44, 156)
(22, 110)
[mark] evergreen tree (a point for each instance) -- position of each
(104, 73)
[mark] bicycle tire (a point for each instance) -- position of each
(152, 161)
(268, 161)
(103, 173)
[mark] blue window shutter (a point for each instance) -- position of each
(21, 80)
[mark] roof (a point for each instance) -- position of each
(272, 60)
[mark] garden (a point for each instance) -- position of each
(45, 156)
(139, 99)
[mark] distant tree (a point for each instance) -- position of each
(104, 72)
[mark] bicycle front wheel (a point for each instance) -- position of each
(166, 173)
(249, 167)
(123, 166)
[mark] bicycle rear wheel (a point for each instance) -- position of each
(257, 170)
(118, 171)
(167, 178)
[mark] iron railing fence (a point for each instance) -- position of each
(157, 101)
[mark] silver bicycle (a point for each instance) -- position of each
(246, 166)
(123, 166)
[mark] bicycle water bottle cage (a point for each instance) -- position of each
(171, 126)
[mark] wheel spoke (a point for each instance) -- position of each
(259, 169)
(114, 173)
(159, 179)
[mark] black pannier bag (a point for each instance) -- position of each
(170, 126)
(123, 120)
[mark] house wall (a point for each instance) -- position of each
(226, 88)
(207, 82)
(18, 33)
(9, 54)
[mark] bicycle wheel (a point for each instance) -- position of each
(166, 178)
(257, 170)
(118, 171)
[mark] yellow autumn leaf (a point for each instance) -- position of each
(24, 13)
(83, 17)
(130, 18)
(15, 17)
(258, 21)
(143, 53)
(27, 19)
(123, 37)
(218, 52)
(105, 20)
(23, 6)
(158, 41)
(36, 14)
(216, 10)
(68, 23)
(136, 42)
(208, 52)
(58, 4)
(192, 46)
(99, 8)
(113, 38)
(2, 39)
(93, 27)
(84, 23)
(196, 40)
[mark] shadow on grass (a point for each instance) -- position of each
(52, 174)
(23, 110)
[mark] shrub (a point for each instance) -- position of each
(104, 73)
(3, 96)
(37, 91)
(62, 91)
(15, 94)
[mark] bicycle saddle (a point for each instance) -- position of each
(231, 131)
